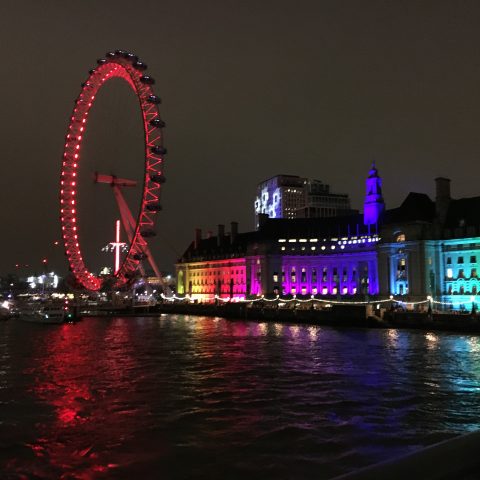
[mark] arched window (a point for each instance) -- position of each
(399, 237)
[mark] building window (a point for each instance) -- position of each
(460, 260)
(449, 260)
(473, 273)
(473, 259)
(275, 277)
(283, 276)
(314, 275)
(335, 275)
(449, 273)
(401, 268)
(400, 237)
(461, 273)
(304, 275)
(324, 274)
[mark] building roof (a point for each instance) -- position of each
(341, 226)
(415, 207)
(209, 248)
(463, 212)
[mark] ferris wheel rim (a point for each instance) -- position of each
(127, 66)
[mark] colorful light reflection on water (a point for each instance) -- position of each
(187, 397)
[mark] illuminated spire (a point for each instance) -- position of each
(374, 204)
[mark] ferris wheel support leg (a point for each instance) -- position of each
(129, 225)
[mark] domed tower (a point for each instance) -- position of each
(374, 204)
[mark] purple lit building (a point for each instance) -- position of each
(299, 256)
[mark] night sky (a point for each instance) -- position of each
(250, 89)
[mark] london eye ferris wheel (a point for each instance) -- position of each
(127, 66)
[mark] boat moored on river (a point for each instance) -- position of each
(50, 314)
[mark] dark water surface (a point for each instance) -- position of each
(195, 397)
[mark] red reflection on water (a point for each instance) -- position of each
(64, 388)
(63, 378)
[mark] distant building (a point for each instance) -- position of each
(290, 196)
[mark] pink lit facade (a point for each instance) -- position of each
(204, 281)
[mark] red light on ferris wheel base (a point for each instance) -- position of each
(130, 69)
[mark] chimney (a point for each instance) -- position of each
(221, 234)
(233, 231)
(442, 198)
(198, 237)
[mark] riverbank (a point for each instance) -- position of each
(335, 315)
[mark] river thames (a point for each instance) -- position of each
(196, 397)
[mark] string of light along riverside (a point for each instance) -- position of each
(262, 298)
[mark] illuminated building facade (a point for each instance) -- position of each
(421, 248)
(290, 196)
(283, 257)
(432, 248)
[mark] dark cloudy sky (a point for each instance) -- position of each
(250, 89)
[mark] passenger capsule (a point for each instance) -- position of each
(158, 150)
(132, 57)
(158, 178)
(154, 207)
(140, 65)
(157, 122)
(120, 52)
(139, 256)
(110, 55)
(101, 61)
(146, 80)
(154, 99)
(147, 233)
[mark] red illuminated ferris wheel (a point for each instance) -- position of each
(127, 66)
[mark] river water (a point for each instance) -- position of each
(206, 398)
